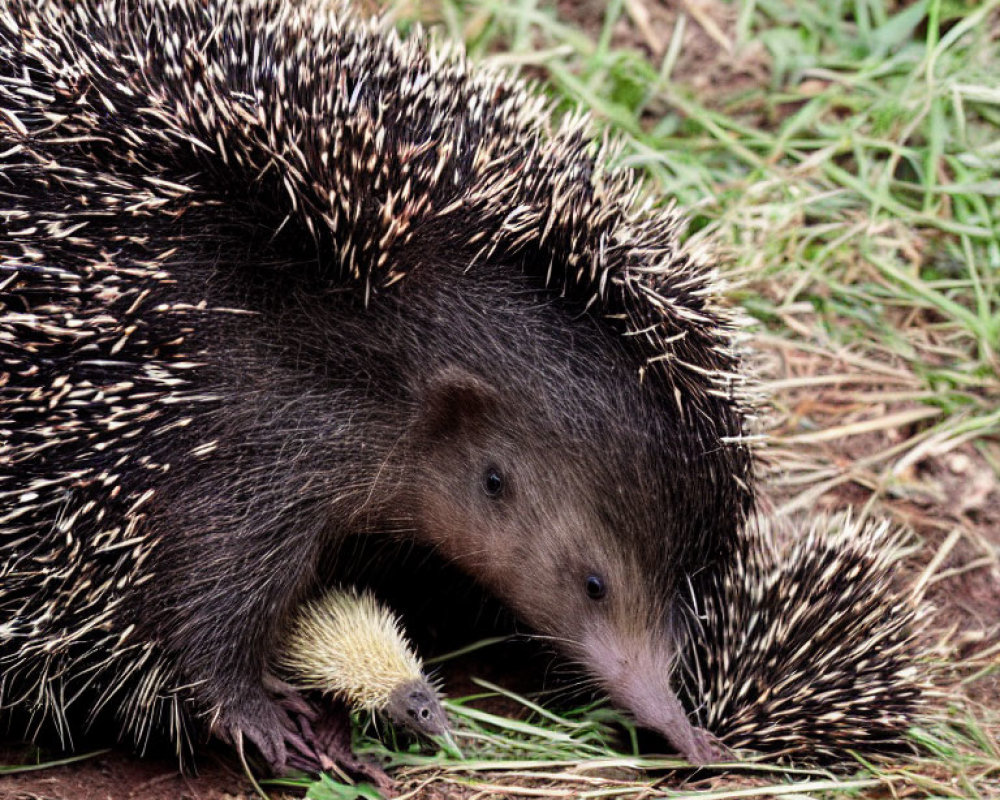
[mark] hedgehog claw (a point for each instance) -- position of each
(298, 742)
(302, 737)
(278, 727)
(261, 723)
(331, 738)
(288, 697)
(269, 744)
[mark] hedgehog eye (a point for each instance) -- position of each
(595, 587)
(492, 482)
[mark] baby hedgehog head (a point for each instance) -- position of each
(807, 650)
(346, 644)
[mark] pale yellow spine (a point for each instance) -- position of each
(347, 644)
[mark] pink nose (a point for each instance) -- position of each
(636, 674)
(654, 705)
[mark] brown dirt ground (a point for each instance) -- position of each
(950, 500)
(710, 61)
(119, 776)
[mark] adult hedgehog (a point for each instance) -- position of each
(272, 278)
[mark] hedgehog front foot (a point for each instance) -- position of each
(320, 741)
(269, 725)
(328, 736)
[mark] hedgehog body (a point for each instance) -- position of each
(272, 278)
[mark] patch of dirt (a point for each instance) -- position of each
(119, 776)
(710, 59)
(947, 494)
(964, 588)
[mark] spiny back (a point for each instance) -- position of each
(382, 149)
(347, 644)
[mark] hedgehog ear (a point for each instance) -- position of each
(454, 400)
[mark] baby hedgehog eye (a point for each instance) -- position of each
(492, 482)
(595, 587)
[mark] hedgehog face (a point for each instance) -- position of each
(416, 705)
(581, 541)
(497, 492)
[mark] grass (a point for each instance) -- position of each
(575, 754)
(844, 158)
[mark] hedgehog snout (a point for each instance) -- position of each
(635, 670)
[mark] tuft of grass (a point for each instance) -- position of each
(39, 764)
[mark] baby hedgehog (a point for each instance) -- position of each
(809, 649)
(348, 645)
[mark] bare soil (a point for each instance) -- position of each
(120, 776)
(710, 61)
